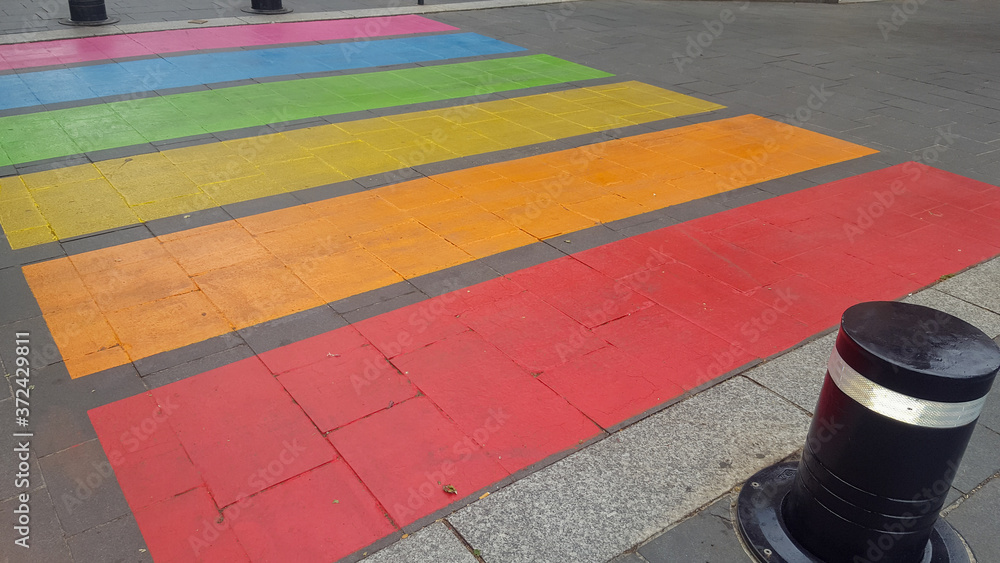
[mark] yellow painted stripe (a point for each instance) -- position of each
(111, 306)
(84, 199)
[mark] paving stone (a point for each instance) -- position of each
(177, 223)
(786, 185)
(118, 541)
(43, 349)
(454, 278)
(17, 303)
(8, 486)
(521, 258)
(987, 321)
(31, 254)
(742, 196)
(60, 404)
(83, 487)
(295, 327)
(46, 541)
(121, 152)
(189, 353)
(643, 227)
(990, 418)
(362, 300)
(976, 520)
(584, 240)
(328, 191)
(695, 209)
(952, 496)
(707, 536)
(637, 481)
(51, 164)
(797, 375)
(106, 239)
(198, 366)
(977, 286)
(980, 461)
(433, 544)
(261, 205)
(842, 170)
(384, 306)
(189, 141)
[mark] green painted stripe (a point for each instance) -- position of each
(36, 136)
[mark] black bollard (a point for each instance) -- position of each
(88, 12)
(904, 387)
(266, 7)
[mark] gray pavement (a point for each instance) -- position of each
(917, 86)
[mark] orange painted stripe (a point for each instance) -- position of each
(111, 306)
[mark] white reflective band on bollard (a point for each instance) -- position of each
(897, 406)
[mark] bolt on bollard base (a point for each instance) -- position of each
(88, 13)
(266, 7)
(764, 535)
(904, 387)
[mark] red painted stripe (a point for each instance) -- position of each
(467, 388)
(69, 51)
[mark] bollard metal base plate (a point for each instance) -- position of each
(761, 528)
(266, 12)
(109, 21)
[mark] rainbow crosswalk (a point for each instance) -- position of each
(206, 282)
(140, 188)
(487, 379)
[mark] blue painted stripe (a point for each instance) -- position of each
(116, 79)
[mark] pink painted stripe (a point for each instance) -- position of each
(67, 51)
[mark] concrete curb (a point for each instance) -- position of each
(74, 32)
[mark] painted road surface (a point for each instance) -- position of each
(153, 296)
(472, 386)
(384, 416)
(154, 43)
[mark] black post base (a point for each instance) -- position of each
(761, 528)
(266, 12)
(107, 21)
(265, 7)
